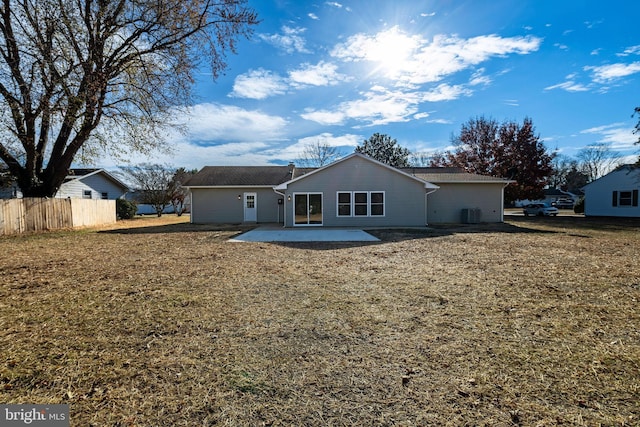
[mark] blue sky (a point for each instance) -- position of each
(340, 71)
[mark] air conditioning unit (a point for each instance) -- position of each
(471, 216)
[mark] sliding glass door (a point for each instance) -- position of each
(307, 209)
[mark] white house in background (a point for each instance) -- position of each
(615, 194)
(81, 184)
(91, 184)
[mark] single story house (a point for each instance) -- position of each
(353, 191)
(81, 184)
(91, 184)
(615, 194)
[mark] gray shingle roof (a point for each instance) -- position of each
(216, 176)
(451, 175)
(240, 176)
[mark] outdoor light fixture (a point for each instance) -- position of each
(289, 198)
(239, 196)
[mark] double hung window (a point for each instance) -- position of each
(360, 203)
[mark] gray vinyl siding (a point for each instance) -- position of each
(446, 204)
(404, 196)
(97, 184)
(221, 205)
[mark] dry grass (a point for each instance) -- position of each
(534, 322)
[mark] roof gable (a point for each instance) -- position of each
(80, 174)
(633, 171)
(283, 186)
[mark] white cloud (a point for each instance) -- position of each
(313, 16)
(445, 92)
(569, 86)
(261, 84)
(324, 117)
(345, 142)
(427, 15)
(619, 135)
(378, 106)
(258, 84)
(411, 59)
(440, 121)
(321, 74)
(608, 73)
(290, 40)
(478, 78)
(216, 122)
(420, 116)
(633, 50)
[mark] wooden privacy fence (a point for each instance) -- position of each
(32, 214)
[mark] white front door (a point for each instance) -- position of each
(250, 207)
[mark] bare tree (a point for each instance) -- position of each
(420, 159)
(317, 154)
(84, 76)
(154, 184)
(178, 194)
(597, 160)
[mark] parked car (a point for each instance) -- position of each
(540, 209)
(563, 204)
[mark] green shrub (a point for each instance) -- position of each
(126, 209)
(579, 206)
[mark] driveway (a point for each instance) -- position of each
(269, 234)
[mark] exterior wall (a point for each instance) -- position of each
(598, 199)
(97, 184)
(446, 204)
(221, 205)
(404, 197)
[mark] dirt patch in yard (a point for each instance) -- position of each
(532, 322)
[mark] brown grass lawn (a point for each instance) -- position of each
(534, 322)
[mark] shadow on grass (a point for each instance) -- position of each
(387, 235)
(184, 227)
(572, 225)
(580, 222)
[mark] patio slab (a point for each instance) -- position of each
(305, 235)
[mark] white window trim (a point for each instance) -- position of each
(352, 204)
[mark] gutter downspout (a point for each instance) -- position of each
(284, 208)
(502, 201)
(426, 206)
(190, 204)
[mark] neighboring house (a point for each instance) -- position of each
(81, 184)
(91, 184)
(353, 191)
(615, 194)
